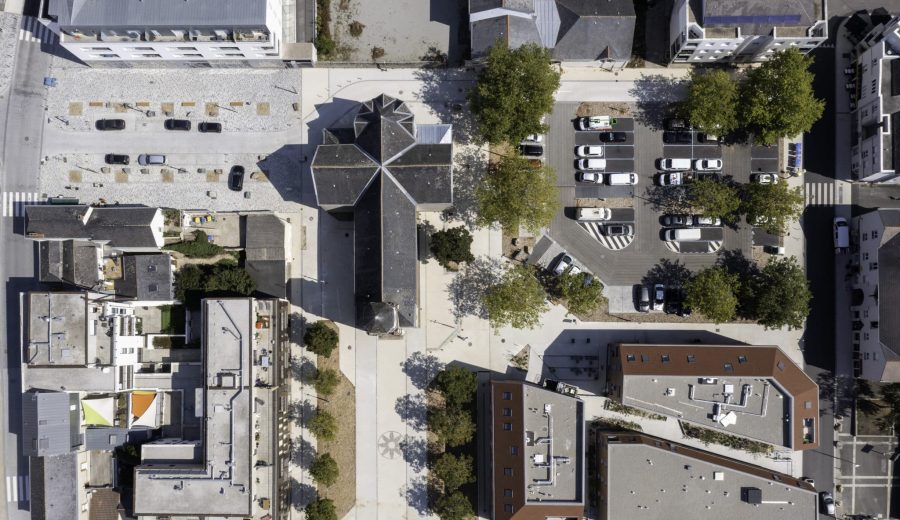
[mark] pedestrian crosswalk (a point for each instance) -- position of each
(14, 202)
(711, 246)
(612, 243)
(819, 193)
(32, 30)
(18, 489)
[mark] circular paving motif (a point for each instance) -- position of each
(389, 443)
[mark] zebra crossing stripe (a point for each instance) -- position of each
(611, 243)
(33, 30)
(18, 488)
(820, 193)
(14, 202)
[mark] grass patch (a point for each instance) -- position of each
(708, 436)
(607, 423)
(171, 319)
(624, 409)
(324, 43)
(199, 247)
(342, 406)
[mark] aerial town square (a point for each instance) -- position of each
(449, 259)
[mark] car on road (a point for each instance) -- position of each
(589, 151)
(149, 159)
(764, 178)
(659, 296)
(617, 230)
(590, 164)
(236, 178)
(110, 124)
(595, 123)
(566, 262)
(677, 138)
(177, 124)
(671, 165)
(613, 137)
(589, 177)
(669, 179)
(644, 299)
(701, 220)
(112, 158)
(708, 165)
(534, 138)
(208, 127)
(531, 150)
(827, 502)
(841, 235)
(677, 220)
(675, 123)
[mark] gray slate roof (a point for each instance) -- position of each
(54, 487)
(386, 171)
(104, 438)
(124, 227)
(159, 13)
(49, 427)
(69, 261)
(889, 291)
(574, 30)
(146, 277)
(265, 256)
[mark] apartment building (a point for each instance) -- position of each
(744, 31)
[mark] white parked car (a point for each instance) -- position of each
(700, 220)
(708, 165)
(764, 178)
(591, 164)
(534, 138)
(595, 123)
(669, 179)
(566, 262)
(586, 150)
(590, 177)
(673, 165)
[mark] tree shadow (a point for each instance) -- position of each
(415, 453)
(421, 368)
(413, 411)
(469, 168)
(302, 453)
(468, 287)
(654, 97)
(303, 370)
(734, 261)
(444, 91)
(670, 272)
(302, 494)
(297, 327)
(419, 494)
(839, 390)
(300, 412)
(668, 199)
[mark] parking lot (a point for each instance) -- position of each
(615, 260)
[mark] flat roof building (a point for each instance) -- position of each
(750, 391)
(537, 448)
(648, 478)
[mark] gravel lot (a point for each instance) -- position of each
(9, 30)
(247, 99)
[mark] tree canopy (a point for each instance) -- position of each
(321, 509)
(517, 300)
(457, 384)
(514, 91)
(777, 98)
(715, 198)
(452, 245)
(454, 506)
(324, 469)
(712, 101)
(326, 381)
(454, 471)
(192, 282)
(712, 293)
(514, 192)
(323, 425)
(320, 338)
(782, 294)
(580, 297)
(773, 206)
(452, 424)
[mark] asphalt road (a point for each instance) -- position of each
(22, 118)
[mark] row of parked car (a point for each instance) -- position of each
(170, 124)
(660, 298)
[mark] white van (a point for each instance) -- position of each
(591, 164)
(621, 179)
(683, 235)
(841, 235)
(596, 214)
(674, 164)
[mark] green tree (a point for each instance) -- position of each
(773, 206)
(324, 469)
(714, 198)
(320, 338)
(199, 247)
(581, 298)
(323, 425)
(189, 279)
(452, 425)
(454, 506)
(457, 384)
(712, 101)
(782, 294)
(326, 381)
(452, 245)
(454, 471)
(517, 300)
(890, 394)
(231, 279)
(712, 293)
(514, 192)
(321, 509)
(777, 98)
(514, 91)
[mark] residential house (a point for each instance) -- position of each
(123, 229)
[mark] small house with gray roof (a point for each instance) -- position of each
(575, 31)
(117, 228)
(383, 171)
(147, 278)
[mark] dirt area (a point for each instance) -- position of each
(868, 424)
(181, 260)
(341, 405)
(616, 202)
(602, 314)
(603, 108)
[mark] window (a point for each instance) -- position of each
(630, 358)
(147, 56)
(645, 358)
(507, 396)
(866, 356)
(691, 358)
(874, 235)
(507, 412)
(227, 48)
(874, 324)
(186, 48)
(507, 492)
(513, 450)
(665, 358)
(729, 367)
(742, 360)
(507, 426)
(780, 365)
(873, 266)
(142, 48)
(865, 235)
(508, 508)
(866, 337)
(865, 256)
(507, 472)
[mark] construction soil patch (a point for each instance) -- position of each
(603, 108)
(342, 406)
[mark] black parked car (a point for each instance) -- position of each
(533, 150)
(236, 178)
(178, 124)
(110, 124)
(617, 230)
(674, 123)
(613, 137)
(677, 137)
(112, 158)
(210, 128)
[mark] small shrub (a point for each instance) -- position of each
(321, 339)
(377, 52)
(326, 381)
(356, 29)
(321, 509)
(324, 469)
(199, 247)
(323, 425)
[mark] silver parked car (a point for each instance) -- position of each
(151, 159)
